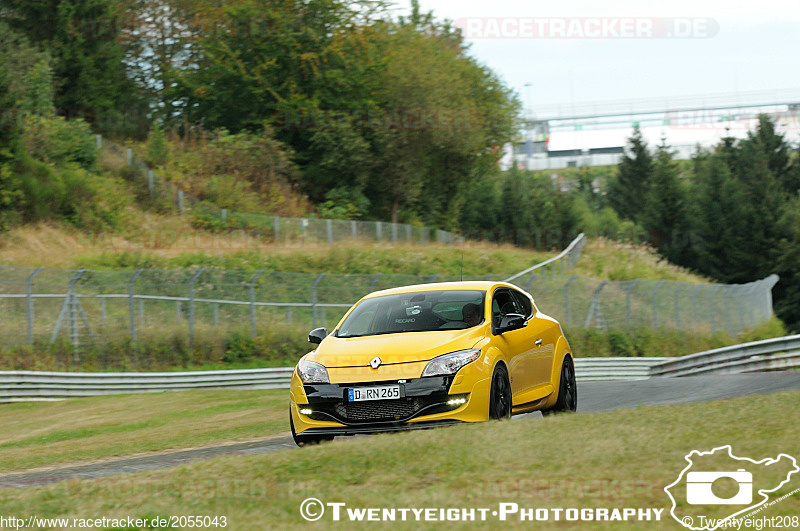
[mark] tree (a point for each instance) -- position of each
(787, 291)
(720, 235)
(90, 76)
(626, 193)
(777, 153)
(664, 214)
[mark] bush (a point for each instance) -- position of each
(57, 141)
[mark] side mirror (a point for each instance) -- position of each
(317, 335)
(509, 322)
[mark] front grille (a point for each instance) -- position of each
(379, 410)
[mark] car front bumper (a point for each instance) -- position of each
(423, 403)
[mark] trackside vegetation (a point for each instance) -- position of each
(590, 467)
(283, 346)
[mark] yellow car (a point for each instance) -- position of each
(431, 355)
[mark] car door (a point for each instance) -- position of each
(515, 343)
(542, 340)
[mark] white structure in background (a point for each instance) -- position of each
(596, 134)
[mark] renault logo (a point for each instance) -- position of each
(375, 363)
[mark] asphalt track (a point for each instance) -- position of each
(592, 397)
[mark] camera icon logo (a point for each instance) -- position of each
(698, 488)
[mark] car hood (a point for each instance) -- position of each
(405, 347)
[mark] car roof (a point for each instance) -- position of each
(484, 285)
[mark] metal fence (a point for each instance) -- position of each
(85, 306)
(276, 229)
(604, 305)
(88, 306)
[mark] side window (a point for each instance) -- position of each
(502, 304)
(524, 303)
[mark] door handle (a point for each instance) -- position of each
(538, 342)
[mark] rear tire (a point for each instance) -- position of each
(500, 395)
(306, 440)
(567, 390)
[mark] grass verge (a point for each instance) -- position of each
(72, 431)
(617, 459)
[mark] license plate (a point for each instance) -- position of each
(383, 392)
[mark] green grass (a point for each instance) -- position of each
(590, 342)
(73, 431)
(609, 260)
(615, 459)
(343, 258)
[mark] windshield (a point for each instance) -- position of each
(414, 312)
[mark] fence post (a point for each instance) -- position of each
(252, 287)
(567, 308)
(677, 306)
(224, 214)
(374, 282)
(353, 230)
(727, 296)
(408, 233)
(378, 231)
(180, 202)
(595, 306)
(276, 227)
(150, 185)
(314, 300)
(29, 297)
(655, 303)
(394, 232)
(131, 306)
(129, 156)
(191, 306)
(628, 291)
(694, 303)
(98, 141)
(329, 230)
(711, 301)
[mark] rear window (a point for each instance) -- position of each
(414, 312)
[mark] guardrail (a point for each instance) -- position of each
(598, 369)
(773, 354)
(759, 356)
(30, 386)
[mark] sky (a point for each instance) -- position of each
(580, 51)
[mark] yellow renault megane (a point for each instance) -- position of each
(430, 355)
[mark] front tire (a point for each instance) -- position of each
(306, 440)
(567, 390)
(500, 395)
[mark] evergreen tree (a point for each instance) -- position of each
(777, 153)
(627, 192)
(720, 234)
(664, 214)
(787, 291)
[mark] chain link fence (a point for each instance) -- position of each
(165, 194)
(84, 306)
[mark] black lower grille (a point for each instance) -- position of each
(379, 410)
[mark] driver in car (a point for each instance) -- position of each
(472, 314)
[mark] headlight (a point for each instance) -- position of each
(312, 372)
(450, 363)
